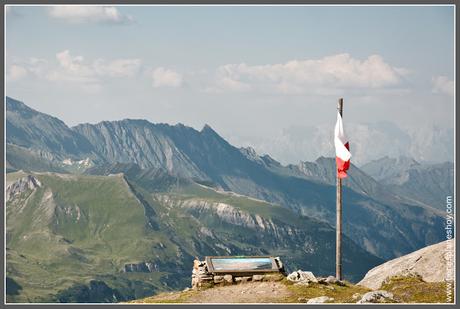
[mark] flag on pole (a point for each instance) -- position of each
(342, 149)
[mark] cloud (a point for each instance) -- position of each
(118, 67)
(166, 78)
(74, 69)
(89, 14)
(442, 84)
(311, 75)
(32, 67)
(16, 72)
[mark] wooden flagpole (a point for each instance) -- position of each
(338, 243)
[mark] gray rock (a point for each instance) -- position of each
(307, 276)
(242, 279)
(302, 276)
(331, 279)
(23, 184)
(380, 296)
(228, 278)
(429, 263)
(320, 300)
(321, 280)
(257, 277)
(218, 279)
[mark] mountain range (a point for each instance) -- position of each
(368, 141)
(229, 200)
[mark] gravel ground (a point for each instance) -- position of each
(263, 292)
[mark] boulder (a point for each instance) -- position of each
(257, 277)
(430, 263)
(379, 296)
(320, 300)
(302, 276)
(242, 279)
(228, 278)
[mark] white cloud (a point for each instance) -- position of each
(16, 72)
(22, 69)
(166, 78)
(118, 67)
(312, 75)
(90, 75)
(74, 68)
(84, 14)
(442, 84)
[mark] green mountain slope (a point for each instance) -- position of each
(78, 238)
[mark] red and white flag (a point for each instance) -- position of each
(342, 149)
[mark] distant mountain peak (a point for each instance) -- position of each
(207, 128)
(208, 131)
(321, 160)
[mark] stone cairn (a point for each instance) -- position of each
(201, 277)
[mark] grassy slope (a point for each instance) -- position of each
(55, 246)
(78, 228)
(405, 290)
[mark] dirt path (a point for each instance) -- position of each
(263, 292)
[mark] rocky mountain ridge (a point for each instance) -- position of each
(395, 225)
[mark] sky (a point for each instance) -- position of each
(250, 72)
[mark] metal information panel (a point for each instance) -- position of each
(241, 264)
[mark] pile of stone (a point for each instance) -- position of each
(202, 277)
(300, 277)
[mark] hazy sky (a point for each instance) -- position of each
(244, 70)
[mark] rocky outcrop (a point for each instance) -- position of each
(376, 297)
(23, 184)
(303, 277)
(232, 215)
(429, 263)
(143, 267)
